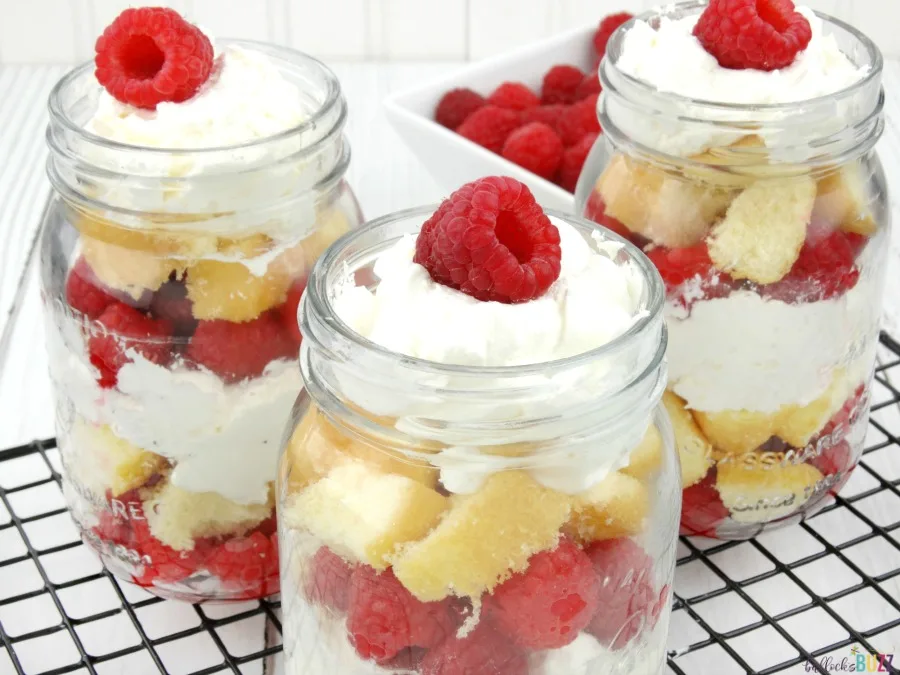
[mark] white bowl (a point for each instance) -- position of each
(454, 160)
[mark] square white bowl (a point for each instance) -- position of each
(454, 160)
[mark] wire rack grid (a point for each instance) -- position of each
(819, 595)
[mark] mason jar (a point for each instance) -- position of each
(171, 279)
(769, 224)
(423, 507)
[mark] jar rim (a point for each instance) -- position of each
(283, 54)
(652, 303)
(684, 8)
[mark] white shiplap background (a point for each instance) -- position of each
(63, 31)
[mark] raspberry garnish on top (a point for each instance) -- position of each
(149, 55)
(491, 240)
(759, 34)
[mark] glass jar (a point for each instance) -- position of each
(171, 280)
(769, 225)
(421, 504)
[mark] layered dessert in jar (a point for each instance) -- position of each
(195, 186)
(479, 478)
(738, 153)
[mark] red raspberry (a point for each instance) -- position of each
(628, 603)
(546, 606)
(560, 84)
(84, 293)
(513, 96)
(702, 509)
(825, 268)
(573, 160)
(246, 563)
(238, 351)
(163, 563)
(384, 618)
(579, 121)
(150, 55)
(595, 210)
(834, 460)
(534, 147)
(492, 240)
(171, 303)
(123, 328)
(758, 34)
(548, 114)
(484, 651)
(456, 106)
(115, 525)
(489, 127)
(677, 266)
(328, 580)
(589, 85)
(606, 28)
(288, 311)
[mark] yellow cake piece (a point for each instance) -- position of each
(107, 462)
(694, 449)
(157, 238)
(646, 457)
(230, 291)
(842, 201)
(128, 270)
(483, 538)
(761, 234)
(363, 514)
(746, 154)
(617, 506)
(737, 431)
(176, 517)
(798, 424)
(759, 493)
(332, 225)
(667, 209)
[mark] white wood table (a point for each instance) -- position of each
(386, 177)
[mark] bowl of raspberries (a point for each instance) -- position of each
(530, 114)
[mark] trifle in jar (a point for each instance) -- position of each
(738, 152)
(479, 478)
(195, 186)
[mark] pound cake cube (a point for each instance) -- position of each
(177, 517)
(365, 515)
(798, 424)
(735, 432)
(759, 493)
(131, 271)
(667, 209)
(746, 154)
(160, 240)
(230, 291)
(484, 538)
(842, 201)
(615, 507)
(332, 225)
(694, 449)
(761, 234)
(646, 457)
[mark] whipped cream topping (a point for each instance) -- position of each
(223, 438)
(671, 59)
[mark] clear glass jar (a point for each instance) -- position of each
(769, 225)
(171, 280)
(417, 499)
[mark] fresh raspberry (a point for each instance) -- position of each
(677, 266)
(492, 240)
(589, 85)
(702, 509)
(560, 84)
(328, 580)
(825, 268)
(547, 114)
(114, 525)
(407, 660)
(546, 606)
(513, 96)
(534, 147)
(579, 121)
(456, 106)
(606, 28)
(170, 302)
(384, 618)
(150, 55)
(288, 311)
(246, 563)
(123, 328)
(83, 291)
(628, 603)
(238, 351)
(484, 651)
(573, 160)
(595, 210)
(835, 459)
(757, 34)
(489, 127)
(163, 563)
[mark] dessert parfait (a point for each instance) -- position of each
(738, 153)
(195, 186)
(479, 478)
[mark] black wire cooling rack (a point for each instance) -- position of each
(815, 597)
